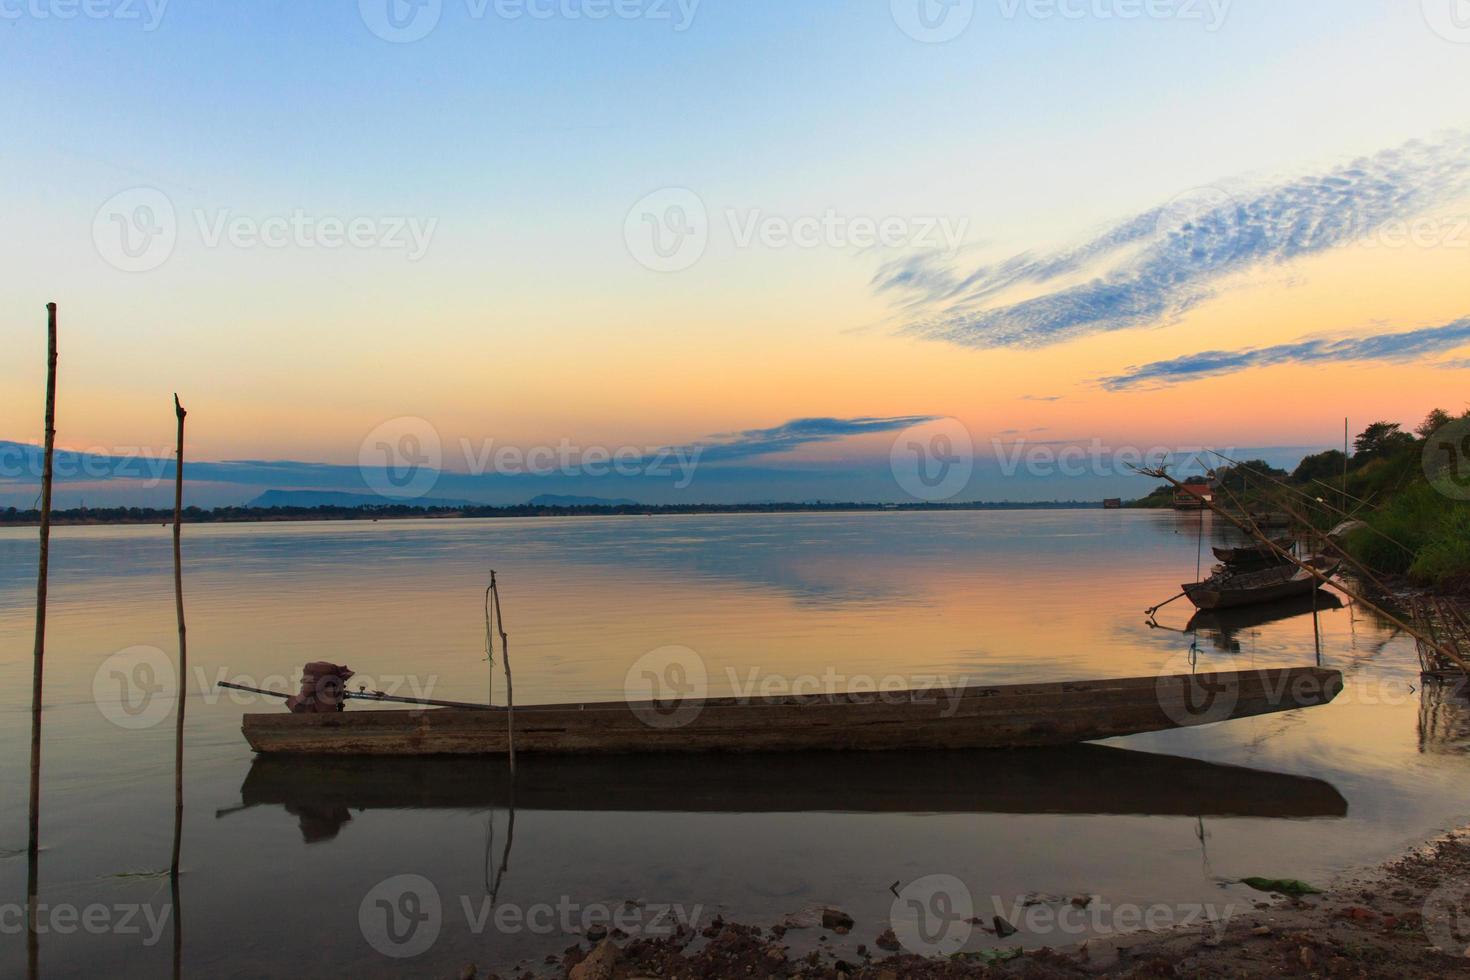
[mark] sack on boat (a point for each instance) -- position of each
(323, 688)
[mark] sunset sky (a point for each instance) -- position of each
(1208, 223)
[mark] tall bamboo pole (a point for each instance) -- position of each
(48, 472)
(183, 645)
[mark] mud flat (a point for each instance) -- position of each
(1409, 918)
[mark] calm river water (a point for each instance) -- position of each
(283, 864)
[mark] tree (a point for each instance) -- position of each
(1252, 472)
(1380, 439)
(1320, 466)
(1433, 422)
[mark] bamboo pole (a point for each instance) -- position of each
(1261, 536)
(510, 701)
(179, 413)
(48, 474)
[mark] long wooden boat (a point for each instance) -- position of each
(327, 793)
(1227, 590)
(1012, 716)
(1254, 554)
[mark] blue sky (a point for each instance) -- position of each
(1134, 193)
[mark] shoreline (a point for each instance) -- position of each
(1393, 920)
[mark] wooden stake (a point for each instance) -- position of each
(510, 701)
(179, 413)
(48, 472)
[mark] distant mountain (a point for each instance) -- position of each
(560, 500)
(327, 498)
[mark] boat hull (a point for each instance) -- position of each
(1012, 716)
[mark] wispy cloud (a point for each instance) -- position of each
(795, 434)
(1155, 266)
(1389, 347)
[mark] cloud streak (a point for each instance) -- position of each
(795, 434)
(1156, 266)
(1400, 347)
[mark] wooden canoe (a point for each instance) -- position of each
(326, 793)
(1227, 590)
(1254, 554)
(1014, 716)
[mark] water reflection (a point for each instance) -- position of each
(326, 794)
(1222, 627)
(1444, 716)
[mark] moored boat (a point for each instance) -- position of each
(1227, 590)
(1009, 716)
(1254, 554)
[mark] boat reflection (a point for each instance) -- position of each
(325, 794)
(1222, 626)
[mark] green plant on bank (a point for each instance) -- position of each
(1416, 529)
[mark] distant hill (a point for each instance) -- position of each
(561, 500)
(327, 498)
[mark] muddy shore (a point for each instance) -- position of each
(1408, 918)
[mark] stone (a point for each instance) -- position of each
(888, 941)
(1101, 953)
(599, 964)
(1004, 928)
(836, 918)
